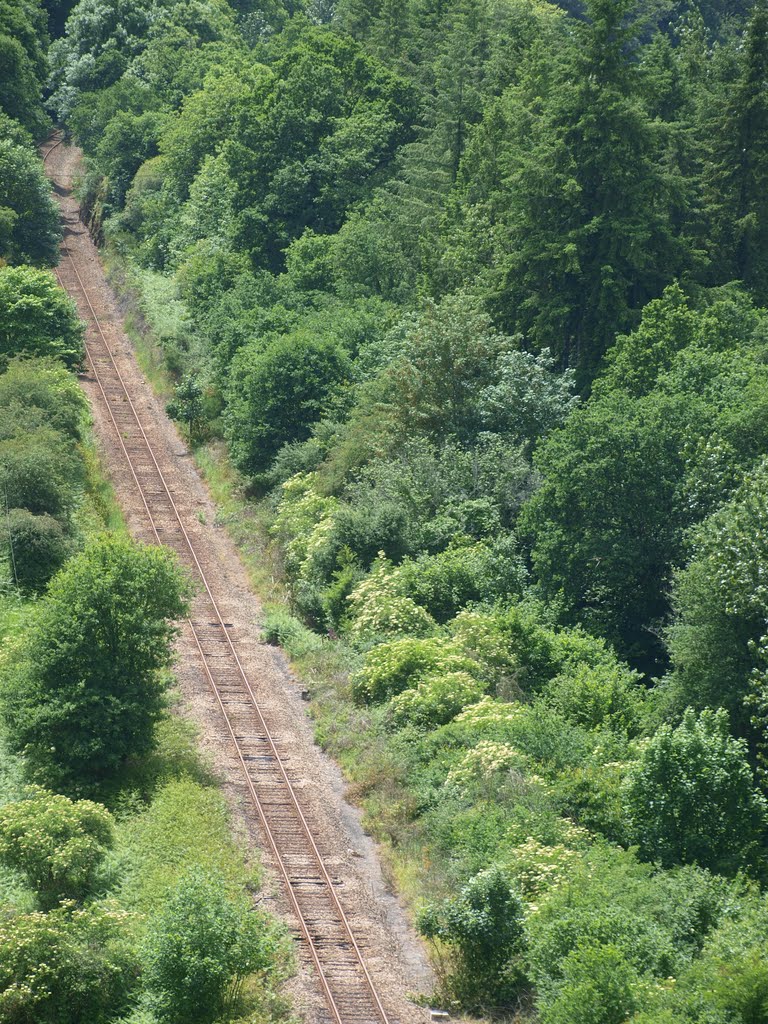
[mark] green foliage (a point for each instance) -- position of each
(435, 700)
(39, 471)
(199, 949)
(599, 987)
(56, 843)
(392, 667)
(692, 799)
(37, 547)
(88, 689)
(720, 599)
(683, 394)
(276, 392)
(601, 696)
(29, 218)
(37, 318)
(483, 926)
(41, 391)
(23, 37)
(65, 967)
(186, 828)
(737, 172)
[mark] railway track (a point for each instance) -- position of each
(349, 991)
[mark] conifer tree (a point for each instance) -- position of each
(738, 172)
(591, 238)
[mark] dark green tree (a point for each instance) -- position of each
(591, 238)
(29, 218)
(88, 688)
(720, 599)
(277, 391)
(737, 175)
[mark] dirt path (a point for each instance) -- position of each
(394, 954)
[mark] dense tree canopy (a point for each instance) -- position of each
(88, 689)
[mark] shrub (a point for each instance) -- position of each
(446, 582)
(691, 798)
(435, 700)
(65, 967)
(32, 233)
(57, 844)
(88, 690)
(595, 696)
(482, 926)
(37, 547)
(40, 472)
(392, 667)
(43, 385)
(200, 948)
(520, 652)
(599, 987)
(37, 318)
(275, 394)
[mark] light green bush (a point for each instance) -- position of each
(57, 844)
(397, 665)
(602, 695)
(435, 700)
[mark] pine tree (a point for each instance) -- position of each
(737, 176)
(591, 239)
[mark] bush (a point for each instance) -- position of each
(392, 667)
(446, 582)
(37, 318)
(434, 701)
(37, 547)
(88, 690)
(31, 234)
(276, 392)
(42, 386)
(599, 987)
(692, 799)
(40, 472)
(598, 696)
(57, 844)
(521, 653)
(65, 967)
(483, 928)
(200, 948)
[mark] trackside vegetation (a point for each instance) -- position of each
(115, 839)
(463, 307)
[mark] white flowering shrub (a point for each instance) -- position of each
(393, 667)
(486, 763)
(435, 700)
(378, 610)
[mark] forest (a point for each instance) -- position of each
(462, 306)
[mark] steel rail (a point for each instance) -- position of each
(214, 687)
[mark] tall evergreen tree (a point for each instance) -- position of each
(737, 176)
(591, 238)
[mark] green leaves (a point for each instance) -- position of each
(200, 948)
(56, 843)
(691, 798)
(30, 231)
(88, 689)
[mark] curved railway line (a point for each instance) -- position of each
(348, 988)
